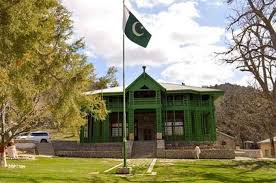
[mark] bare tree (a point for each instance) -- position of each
(239, 113)
(253, 47)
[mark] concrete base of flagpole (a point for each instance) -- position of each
(123, 170)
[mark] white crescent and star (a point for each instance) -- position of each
(134, 30)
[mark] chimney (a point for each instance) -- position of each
(144, 68)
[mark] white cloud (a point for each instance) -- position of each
(214, 2)
(199, 68)
(176, 38)
(151, 3)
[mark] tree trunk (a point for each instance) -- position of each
(3, 160)
(272, 146)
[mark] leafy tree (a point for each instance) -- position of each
(107, 81)
(253, 47)
(42, 72)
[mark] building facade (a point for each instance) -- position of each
(265, 147)
(155, 111)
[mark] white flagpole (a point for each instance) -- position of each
(124, 100)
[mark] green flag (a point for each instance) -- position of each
(134, 30)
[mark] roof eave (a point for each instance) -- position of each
(216, 93)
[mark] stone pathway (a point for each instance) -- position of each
(242, 158)
(144, 166)
(139, 162)
(149, 171)
(112, 168)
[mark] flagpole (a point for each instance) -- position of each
(124, 100)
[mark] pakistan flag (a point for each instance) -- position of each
(134, 30)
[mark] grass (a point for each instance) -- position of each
(213, 171)
(56, 170)
(62, 135)
(59, 170)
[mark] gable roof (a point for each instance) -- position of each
(144, 74)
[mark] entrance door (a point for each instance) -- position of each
(144, 125)
(148, 134)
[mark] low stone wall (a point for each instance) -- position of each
(250, 153)
(114, 150)
(75, 146)
(87, 150)
(189, 154)
(90, 154)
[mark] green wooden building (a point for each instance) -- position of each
(155, 111)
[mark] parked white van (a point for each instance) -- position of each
(37, 136)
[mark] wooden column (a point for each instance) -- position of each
(106, 129)
(188, 125)
(198, 132)
(130, 124)
(90, 127)
(158, 124)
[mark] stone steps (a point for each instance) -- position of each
(143, 149)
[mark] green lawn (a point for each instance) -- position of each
(56, 170)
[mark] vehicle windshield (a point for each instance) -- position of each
(24, 134)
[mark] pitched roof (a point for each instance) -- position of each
(267, 141)
(168, 86)
(118, 89)
(144, 74)
(178, 87)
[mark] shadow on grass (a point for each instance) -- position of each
(38, 180)
(232, 179)
(251, 166)
(228, 172)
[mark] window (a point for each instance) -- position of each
(205, 97)
(116, 130)
(178, 123)
(85, 130)
(144, 87)
(144, 94)
(205, 123)
(116, 124)
(178, 128)
(186, 97)
(178, 99)
(170, 100)
(168, 128)
(39, 134)
(24, 134)
(174, 124)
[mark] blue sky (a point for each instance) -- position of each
(185, 35)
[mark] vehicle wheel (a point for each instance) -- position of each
(43, 141)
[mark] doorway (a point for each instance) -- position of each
(144, 125)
